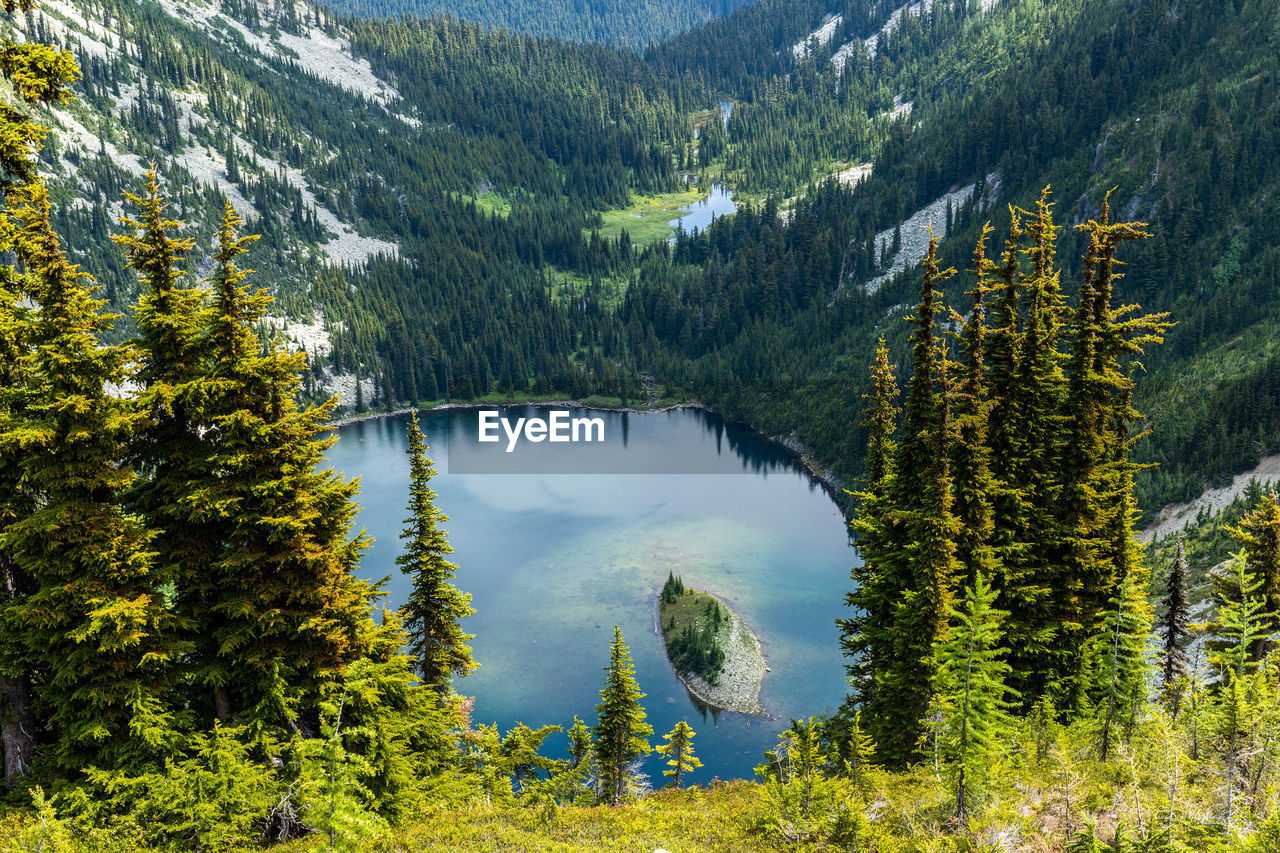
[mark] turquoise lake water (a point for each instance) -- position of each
(554, 561)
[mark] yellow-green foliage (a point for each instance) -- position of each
(647, 218)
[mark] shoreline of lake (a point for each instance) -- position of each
(739, 682)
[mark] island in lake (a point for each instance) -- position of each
(712, 650)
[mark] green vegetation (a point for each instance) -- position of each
(692, 622)
(435, 606)
(621, 733)
(647, 218)
(631, 24)
(188, 659)
(1034, 470)
(679, 751)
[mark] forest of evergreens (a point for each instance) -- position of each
(484, 174)
(691, 624)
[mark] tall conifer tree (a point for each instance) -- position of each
(1175, 622)
(168, 450)
(435, 606)
(280, 612)
(1035, 400)
(37, 75)
(920, 561)
(866, 637)
(96, 619)
(620, 733)
(975, 485)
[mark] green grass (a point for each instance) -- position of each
(565, 283)
(687, 609)
(717, 819)
(490, 203)
(646, 220)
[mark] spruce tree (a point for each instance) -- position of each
(679, 750)
(1259, 535)
(971, 700)
(620, 733)
(435, 606)
(1029, 463)
(921, 562)
(1175, 621)
(168, 450)
(95, 622)
(975, 486)
(1100, 407)
(280, 614)
(38, 76)
(866, 637)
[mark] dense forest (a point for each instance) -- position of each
(446, 245)
(625, 24)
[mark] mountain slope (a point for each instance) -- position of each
(618, 22)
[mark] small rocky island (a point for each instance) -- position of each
(711, 648)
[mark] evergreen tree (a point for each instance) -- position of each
(1175, 623)
(37, 75)
(866, 637)
(1032, 400)
(1104, 405)
(1240, 624)
(168, 449)
(435, 606)
(971, 699)
(679, 749)
(620, 733)
(921, 564)
(96, 620)
(1259, 536)
(280, 614)
(1119, 665)
(974, 484)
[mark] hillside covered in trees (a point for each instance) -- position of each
(625, 24)
(444, 246)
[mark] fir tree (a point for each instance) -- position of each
(679, 750)
(168, 449)
(866, 637)
(1033, 400)
(1119, 665)
(435, 606)
(96, 619)
(1104, 405)
(971, 699)
(1259, 535)
(1175, 623)
(280, 613)
(971, 457)
(620, 733)
(921, 564)
(39, 76)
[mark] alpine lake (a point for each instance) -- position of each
(553, 561)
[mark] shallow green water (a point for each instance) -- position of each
(553, 562)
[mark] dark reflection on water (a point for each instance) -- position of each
(554, 561)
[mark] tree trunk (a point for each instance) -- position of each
(221, 703)
(17, 727)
